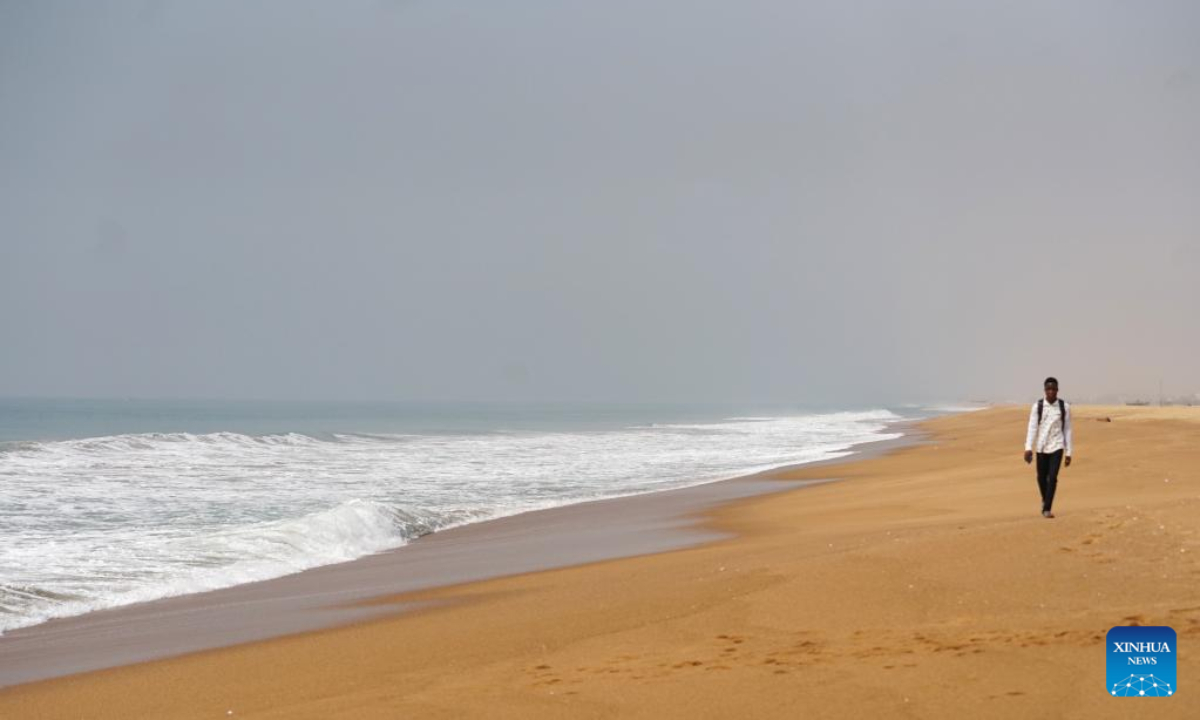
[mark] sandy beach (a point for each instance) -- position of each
(924, 583)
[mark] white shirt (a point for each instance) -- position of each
(1049, 436)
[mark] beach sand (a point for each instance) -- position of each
(924, 584)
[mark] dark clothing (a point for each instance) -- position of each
(1047, 476)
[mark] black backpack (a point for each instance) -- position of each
(1062, 406)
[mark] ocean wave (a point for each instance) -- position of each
(150, 441)
(228, 557)
(110, 520)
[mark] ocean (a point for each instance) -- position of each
(109, 502)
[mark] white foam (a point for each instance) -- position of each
(86, 524)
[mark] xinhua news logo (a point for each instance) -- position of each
(1141, 661)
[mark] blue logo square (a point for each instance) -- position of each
(1141, 661)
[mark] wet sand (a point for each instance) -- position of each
(924, 584)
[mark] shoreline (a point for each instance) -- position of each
(342, 594)
(924, 583)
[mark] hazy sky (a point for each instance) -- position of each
(731, 201)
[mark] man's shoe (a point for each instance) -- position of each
(1047, 514)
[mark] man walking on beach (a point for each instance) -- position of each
(1050, 434)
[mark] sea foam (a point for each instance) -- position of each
(106, 521)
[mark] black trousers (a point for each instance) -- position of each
(1047, 474)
